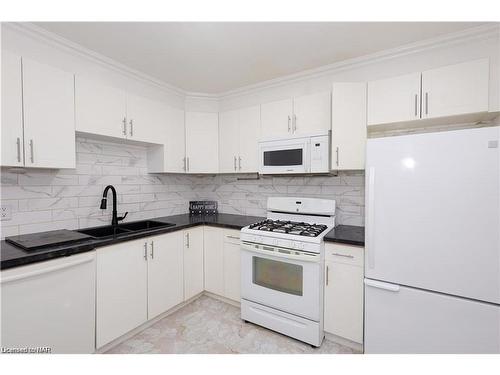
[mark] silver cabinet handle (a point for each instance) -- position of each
(426, 103)
(152, 249)
(187, 240)
(124, 121)
(416, 104)
(184, 161)
(18, 143)
(327, 273)
(289, 128)
(187, 160)
(343, 255)
(235, 163)
(32, 156)
(131, 122)
(294, 123)
(239, 162)
(337, 152)
(145, 251)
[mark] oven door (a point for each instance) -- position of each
(284, 279)
(287, 156)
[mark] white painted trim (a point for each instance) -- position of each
(480, 32)
(476, 33)
(54, 40)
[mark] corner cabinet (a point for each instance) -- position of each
(343, 307)
(446, 92)
(193, 262)
(239, 132)
(348, 138)
(38, 114)
(307, 114)
(202, 142)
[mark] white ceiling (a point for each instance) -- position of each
(212, 57)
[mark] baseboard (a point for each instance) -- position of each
(343, 341)
(222, 299)
(145, 325)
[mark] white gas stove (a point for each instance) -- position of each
(282, 262)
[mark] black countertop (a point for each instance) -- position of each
(13, 256)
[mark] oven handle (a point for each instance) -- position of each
(315, 258)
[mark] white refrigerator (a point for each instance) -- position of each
(432, 264)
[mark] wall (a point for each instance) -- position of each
(43, 200)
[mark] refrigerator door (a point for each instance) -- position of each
(406, 320)
(433, 211)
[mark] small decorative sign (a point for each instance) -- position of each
(202, 207)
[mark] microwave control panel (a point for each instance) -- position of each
(320, 156)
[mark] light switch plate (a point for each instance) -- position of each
(5, 212)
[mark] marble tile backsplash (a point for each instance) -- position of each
(42, 200)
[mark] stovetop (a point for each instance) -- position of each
(289, 227)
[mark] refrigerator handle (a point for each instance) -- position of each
(381, 285)
(370, 215)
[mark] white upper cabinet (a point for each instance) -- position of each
(455, 89)
(100, 109)
(202, 142)
(12, 111)
(175, 142)
(394, 99)
(277, 118)
(239, 132)
(307, 114)
(49, 116)
(229, 149)
(348, 125)
(311, 114)
(146, 119)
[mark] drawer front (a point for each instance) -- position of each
(346, 254)
(232, 236)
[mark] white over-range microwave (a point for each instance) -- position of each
(304, 154)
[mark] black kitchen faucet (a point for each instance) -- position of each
(115, 219)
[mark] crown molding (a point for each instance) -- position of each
(54, 40)
(463, 36)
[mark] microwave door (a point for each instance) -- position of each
(284, 159)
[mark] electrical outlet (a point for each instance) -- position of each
(5, 213)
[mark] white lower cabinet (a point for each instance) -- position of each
(165, 273)
(343, 307)
(222, 262)
(232, 265)
(122, 287)
(213, 260)
(50, 304)
(193, 262)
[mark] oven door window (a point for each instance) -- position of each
(283, 157)
(281, 276)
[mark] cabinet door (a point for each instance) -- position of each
(344, 300)
(348, 125)
(147, 119)
(228, 142)
(193, 262)
(202, 139)
(311, 113)
(394, 99)
(249, 124)
(455, 89)
(49, 116)
(276, 118)
(100, 109)
(165, 273)
(232, 266)
(121, 289)
(175, 143)
(12, 111)
(214, 260)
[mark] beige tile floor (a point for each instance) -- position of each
(210, 326)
